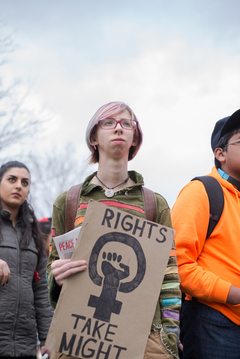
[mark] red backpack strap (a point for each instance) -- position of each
(72, 205)
(150, 204)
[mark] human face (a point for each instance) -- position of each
(14, 188)
(230, 159)
(115, 142)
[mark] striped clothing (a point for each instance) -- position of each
(130, 199)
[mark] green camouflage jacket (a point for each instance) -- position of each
(129, 199)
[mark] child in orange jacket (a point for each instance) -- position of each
(209, 268)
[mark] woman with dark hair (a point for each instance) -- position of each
(23, 292)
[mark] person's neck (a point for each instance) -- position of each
(112, 174)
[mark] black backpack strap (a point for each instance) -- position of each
(216, 200)
(150, 204)
(71, 206)
(216, 204)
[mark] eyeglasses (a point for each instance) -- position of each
(111, 123)
(232, 143)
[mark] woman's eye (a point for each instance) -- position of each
(108, 122)
(25, 183)
(11, 180)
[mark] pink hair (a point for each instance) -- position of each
(108, 110)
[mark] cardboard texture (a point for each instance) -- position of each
(107, 310)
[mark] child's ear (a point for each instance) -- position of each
(220, 155)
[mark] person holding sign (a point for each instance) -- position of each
(114, 137)
(24, 304)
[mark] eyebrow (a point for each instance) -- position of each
(24, 179)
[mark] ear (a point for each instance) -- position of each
(135, 139)
(220, 155)
(94, 142)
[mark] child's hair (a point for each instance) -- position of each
(29, 224)
(108, 110)
(222, 143)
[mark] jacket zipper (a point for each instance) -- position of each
(17, 289)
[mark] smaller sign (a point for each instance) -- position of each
(65, 243)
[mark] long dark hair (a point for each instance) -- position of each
(29, 224)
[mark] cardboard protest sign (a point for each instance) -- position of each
(106, 311)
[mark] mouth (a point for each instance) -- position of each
(16, 195)
(118, 140)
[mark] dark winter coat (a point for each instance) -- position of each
(24, 306)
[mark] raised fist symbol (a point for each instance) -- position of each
(106, 303)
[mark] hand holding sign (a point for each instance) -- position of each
(63, 268)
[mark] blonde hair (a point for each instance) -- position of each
(105, 111)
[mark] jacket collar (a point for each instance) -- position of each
(5, 214)
(230, 179)
(135, 176)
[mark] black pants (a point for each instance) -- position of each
(208, 334)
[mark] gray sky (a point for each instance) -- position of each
(176, 63)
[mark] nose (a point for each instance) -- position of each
(118, 128)
(18, 184)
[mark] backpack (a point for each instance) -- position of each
(216, 200)
(72, 204)
(216, 204)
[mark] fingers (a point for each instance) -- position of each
(180, 346)
(4, 272)
(63, 268)
(44, 350)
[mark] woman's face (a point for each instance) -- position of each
(14, 187)
(115, 142)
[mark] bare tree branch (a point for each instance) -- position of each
(52, 171)
(17, 121)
